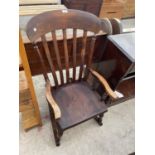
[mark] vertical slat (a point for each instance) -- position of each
(83, 52)
(91, 51)
(92, 45)
(66, 55)
(74, 53)
(57, 56)
(42, 62)
(45, 45)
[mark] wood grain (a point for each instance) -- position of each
(27, 105)
(20, 65)
(43, 23)
(23, 85)
(30, 84)
(32, 2)
(57, 53)
(91, 51)
(83, 53)
(29, 119)
(66, 55)
(92, 6)
(54, 105)
(111, 10)
(74, 52)
(129, 9)
(78, 103)
(37, 9)
(46, 48)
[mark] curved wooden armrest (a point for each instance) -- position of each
(104, 82)
(49, 97)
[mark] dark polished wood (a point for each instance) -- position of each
(46, 48)
(116, 62)
(127, 88)
(92, 6)
(35, 64)
(77, 103)
(75, 20)
(83, 53)
(71, 102)
(57, 53)
(66, 54)
(74, 53)
(117, 65)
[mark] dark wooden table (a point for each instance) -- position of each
(118, 65)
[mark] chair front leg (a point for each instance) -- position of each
(56, 130)
(98, 119)
(60, 131)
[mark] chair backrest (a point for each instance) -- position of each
(51, 21)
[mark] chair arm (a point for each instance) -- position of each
(52, 102)
(104, 82)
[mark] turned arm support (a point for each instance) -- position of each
(105, 84)
(52, 102)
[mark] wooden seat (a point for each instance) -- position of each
(77, 97)
(71, 100)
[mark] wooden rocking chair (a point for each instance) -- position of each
(71, 102)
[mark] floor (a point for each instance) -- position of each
(115, 137)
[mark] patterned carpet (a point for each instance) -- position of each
(115, 137)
